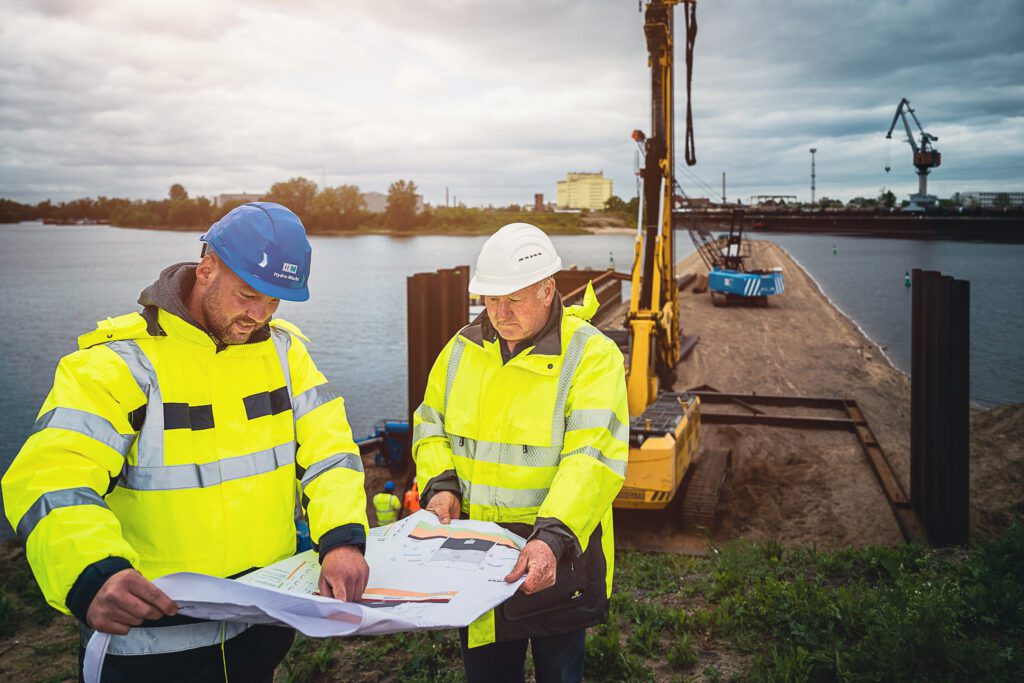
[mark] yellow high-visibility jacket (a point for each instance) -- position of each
(160, 449)
(538, 444)
(387, 507)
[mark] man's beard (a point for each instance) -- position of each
(220, 325)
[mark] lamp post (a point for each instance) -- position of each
(813, 150)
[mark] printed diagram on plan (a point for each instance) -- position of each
(423, 575)
(298, 574)
(418, 563)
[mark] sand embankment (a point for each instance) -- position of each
(816, 487)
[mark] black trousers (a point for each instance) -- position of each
(556, 659)
(251, 656)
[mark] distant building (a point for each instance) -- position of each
(227, 199)
(538, 201)
(583, 191)
(377, 202)
(987, 200)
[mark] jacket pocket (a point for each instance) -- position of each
(570, 587)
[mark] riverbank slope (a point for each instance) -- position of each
(815, 487)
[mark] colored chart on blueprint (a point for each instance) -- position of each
(418, 564)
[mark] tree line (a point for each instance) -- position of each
(325, 209)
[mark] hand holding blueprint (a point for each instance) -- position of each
(423, 575)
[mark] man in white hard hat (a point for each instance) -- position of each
(524, 422)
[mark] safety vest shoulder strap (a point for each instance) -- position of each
(128, 326)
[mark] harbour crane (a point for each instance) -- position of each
(664, 424)
(926, 157)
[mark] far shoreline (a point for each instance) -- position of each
(605, 226)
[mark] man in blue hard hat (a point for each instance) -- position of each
(176, 439)
(387, 505)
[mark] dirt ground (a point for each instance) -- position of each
(802, 487)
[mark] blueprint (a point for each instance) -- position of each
(423, 575)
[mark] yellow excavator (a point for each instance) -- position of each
(664, 424)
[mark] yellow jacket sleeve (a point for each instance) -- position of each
(435, 468)
(54, 490)
(328, 461)
(595, 449)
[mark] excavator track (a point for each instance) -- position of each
(703, 488)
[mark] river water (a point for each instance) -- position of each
(57, 281)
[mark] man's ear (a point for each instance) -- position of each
(549, 296)
(207, 269)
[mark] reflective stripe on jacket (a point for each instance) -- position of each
(541, 440)
(158, 447)
(387, 507)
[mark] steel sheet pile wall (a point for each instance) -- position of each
(939, 409)
(437, 306)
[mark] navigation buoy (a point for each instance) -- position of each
(833, 250)
(611, 261)
(906, 279)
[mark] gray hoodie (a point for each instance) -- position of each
(171, 290)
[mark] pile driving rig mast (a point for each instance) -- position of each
(654, 308)
(663, 426)
(925, 156)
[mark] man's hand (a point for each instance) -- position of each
(125, 600)
(538, 563)
(445, 505)
(344, 573)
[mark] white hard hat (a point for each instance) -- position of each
(516, 256)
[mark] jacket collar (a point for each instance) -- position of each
(547, 342)
(169, 294)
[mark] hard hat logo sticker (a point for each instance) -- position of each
(289, 267)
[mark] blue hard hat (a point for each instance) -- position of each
(264, 244)
(389, 486)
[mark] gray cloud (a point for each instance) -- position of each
(495, 100)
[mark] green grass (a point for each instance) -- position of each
(425, 657)
(21, 602)
(894, 614)
(749, 612)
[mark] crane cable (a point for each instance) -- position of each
(711, 191)
(690, 12)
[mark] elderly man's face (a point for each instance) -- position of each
(232, 310)
(520, 315)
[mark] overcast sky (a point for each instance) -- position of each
(497, 100)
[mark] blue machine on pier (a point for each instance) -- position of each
(730, 281)
(389, 443)
(746, 284)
